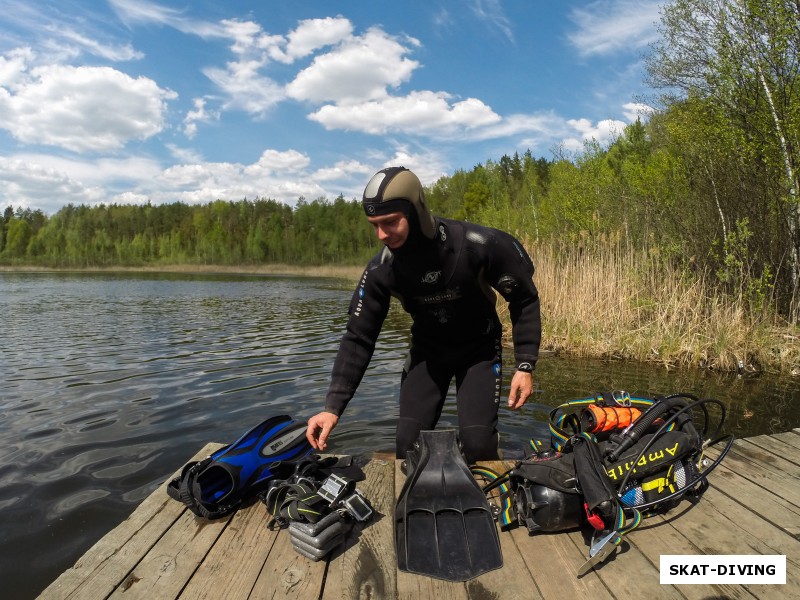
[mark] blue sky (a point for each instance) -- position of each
(125, 101)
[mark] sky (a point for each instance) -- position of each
(130, 101)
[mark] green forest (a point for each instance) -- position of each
(708, 183)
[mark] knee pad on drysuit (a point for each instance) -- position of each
(479, 443)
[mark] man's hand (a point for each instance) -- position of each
(319, 428)
(521, 389)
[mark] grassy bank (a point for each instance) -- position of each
(333, 271)
(615, 302)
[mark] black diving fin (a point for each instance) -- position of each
(217, 485)
(444, 527)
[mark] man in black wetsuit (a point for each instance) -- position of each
(443, 272)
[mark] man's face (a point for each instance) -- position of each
(391, 229)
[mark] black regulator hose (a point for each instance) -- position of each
(631, 434)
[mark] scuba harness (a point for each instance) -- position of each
(613, 461)
(317, 505)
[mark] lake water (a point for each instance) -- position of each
(111, 382)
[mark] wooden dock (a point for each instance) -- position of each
(162, 551)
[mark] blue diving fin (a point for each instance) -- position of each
(217, 485)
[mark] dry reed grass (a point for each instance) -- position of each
(612, 301)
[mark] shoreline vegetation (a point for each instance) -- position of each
(347, 272)
(609, 302)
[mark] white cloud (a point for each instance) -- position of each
(359, 69)
(51, 31)
(442, 18)
(83, 109)
(342, 170)
(429, 114)
(198, 115)
(347, 82)
(313, 34)
(274, 161)
(428, 166)
(637, 110)
(245, 88)
(545, 125)
(33, 185)
(184, 155)
(249, 40)
(48, 182)
(205, 182)
(241, 81)
(110, 52)
(603, 132)
(280, 175)
(134, 12)
(607, 26)
(491, 12)
(14, 65)
(129, 198)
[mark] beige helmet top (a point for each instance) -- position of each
(392, 190)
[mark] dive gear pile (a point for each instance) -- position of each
(444, 527)
(613, 460)
(274, 462)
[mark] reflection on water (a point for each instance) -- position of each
(109, 383)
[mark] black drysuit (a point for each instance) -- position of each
(446, 285)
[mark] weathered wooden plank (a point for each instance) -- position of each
(778, 511)
(104, 566)
(287, 574)
(776, 463)
(231, 567)
(764, 474)
(98, 572)
(514, 581)
(777, 447)
(170, 563)
(367, 567)
(553, 561)
(790, 437)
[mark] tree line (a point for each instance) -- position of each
(709, 182)
(219, 233)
